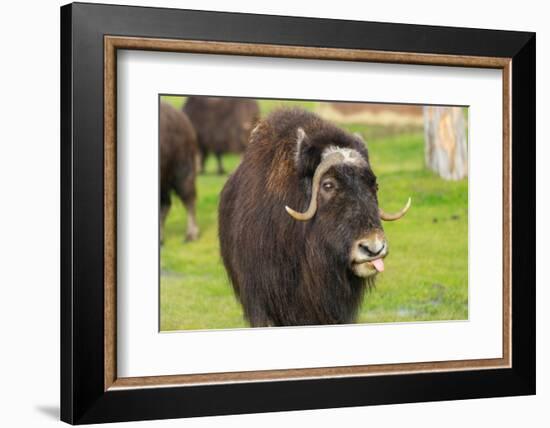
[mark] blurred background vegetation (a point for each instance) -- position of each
(426, 276)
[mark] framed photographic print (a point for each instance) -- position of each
(265, 213)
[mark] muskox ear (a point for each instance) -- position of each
(360, 138)
(300, 137)
(307, 156)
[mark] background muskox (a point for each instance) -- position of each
(222, 124)
(311, 267)
(178, 165)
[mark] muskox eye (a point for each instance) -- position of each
(328, 185)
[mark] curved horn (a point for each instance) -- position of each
(396, 216)
(323, 167)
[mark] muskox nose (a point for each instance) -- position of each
(372, 246)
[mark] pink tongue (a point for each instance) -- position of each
(378, 264)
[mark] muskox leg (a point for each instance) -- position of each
(258, 319)
(204, 155)
(185, 188)
(192, 228)
(164, 208)
(221, 171)
(254, 311)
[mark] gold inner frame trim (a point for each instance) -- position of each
(113, 43)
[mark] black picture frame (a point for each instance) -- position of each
(83, 397)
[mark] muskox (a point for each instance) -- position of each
(222, 124)
(179, 159)
(299, 224)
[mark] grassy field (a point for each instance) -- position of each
(426, 276)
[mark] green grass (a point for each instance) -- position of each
(426, 276)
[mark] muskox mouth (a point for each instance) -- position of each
(367, 268)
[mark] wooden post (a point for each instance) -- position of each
(446, 146)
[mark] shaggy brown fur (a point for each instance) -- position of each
(222, 124)
(287, 272)
(178, 165)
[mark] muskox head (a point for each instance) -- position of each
(343, 215)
